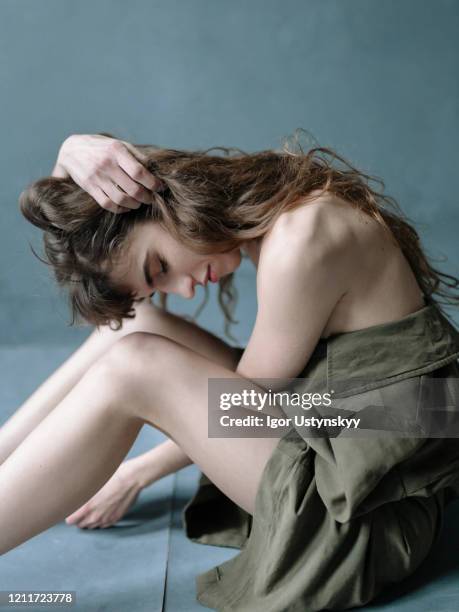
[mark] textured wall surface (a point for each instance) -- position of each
(376, 80)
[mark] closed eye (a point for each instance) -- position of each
(164, 265)
(146, 269)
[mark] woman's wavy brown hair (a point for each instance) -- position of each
(211, 204)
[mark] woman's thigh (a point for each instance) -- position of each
(167, 384)
(150, 319)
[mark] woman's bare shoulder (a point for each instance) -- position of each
(323, 223)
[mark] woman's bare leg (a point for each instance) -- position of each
(143, 378)
(149, 318)
(67, 458)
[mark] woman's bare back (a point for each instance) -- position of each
(383, 288)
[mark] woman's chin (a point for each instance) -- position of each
(231, 266)
(238, 260)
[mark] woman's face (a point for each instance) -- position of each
(153, 260)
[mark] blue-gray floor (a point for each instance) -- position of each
(145, 562)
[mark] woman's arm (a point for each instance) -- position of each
(118, 494)
(162, 460)
(297, 289)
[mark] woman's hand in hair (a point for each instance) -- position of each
(110, 503)
(110, 170)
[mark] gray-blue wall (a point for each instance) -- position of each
(376, 79)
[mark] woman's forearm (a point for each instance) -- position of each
(162, 460)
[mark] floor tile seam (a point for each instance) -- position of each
(169, 541)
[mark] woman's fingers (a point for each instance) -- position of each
(77, 516)
(105, 201)
(88, 525)
(128, 158)
(118, 196)
(135, 190)
(85, 519)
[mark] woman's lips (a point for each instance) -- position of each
(212, 276)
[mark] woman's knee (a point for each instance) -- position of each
(140, 358)
(147, 319)
(136, 353)
(128, 369)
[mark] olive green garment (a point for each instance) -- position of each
(337, 518)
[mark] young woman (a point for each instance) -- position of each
(345, 299)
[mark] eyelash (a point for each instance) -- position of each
(164, 270)
(164, 265)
